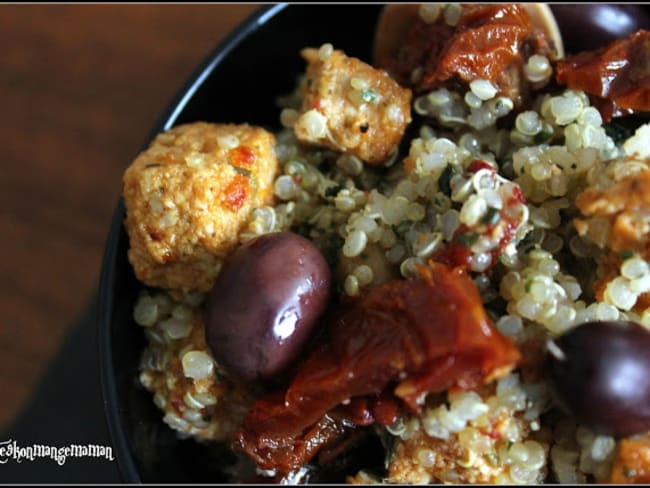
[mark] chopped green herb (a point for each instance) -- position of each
(498, 105)
(527, 241)
(491, 217)
(510, 444)
(444, 180)
(543, 136)
(617, 132)
(242, 171)
(402, 227)
(528, 285)
(468, 238)
(369, 96)
(332, 191)
(626, 254)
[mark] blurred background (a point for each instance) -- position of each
(81, 87)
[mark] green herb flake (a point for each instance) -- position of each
(332, 191)
(369, 96)
(528, 286)
(467, 239)
(491, 217)
(241, 171)
(626, 254)
(543, 136)
(444, 180)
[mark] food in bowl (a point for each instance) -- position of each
(403, 269)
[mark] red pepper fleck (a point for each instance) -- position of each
(176, 404)
(241, 157)
(494, 434)
(479, 164)
(517, 196)
(316, 104)
(456, 254)
(156, 235)
(235, 194)
(617, 72)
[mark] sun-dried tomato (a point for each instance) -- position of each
(618, 73)
(405, 337)
(490, 42)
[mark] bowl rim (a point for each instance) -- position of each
(124, 455)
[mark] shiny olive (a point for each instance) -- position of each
(600, 371)
(588, 26)
(265, 303)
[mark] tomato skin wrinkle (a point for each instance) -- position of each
(400, 340)
(617, 76)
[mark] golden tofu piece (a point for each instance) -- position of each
(351, 107)
(188, 196)
(625, 205)
(632, 461)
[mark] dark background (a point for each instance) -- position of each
(81, 87)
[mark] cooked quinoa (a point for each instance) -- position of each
(551, 209)
(176, 366)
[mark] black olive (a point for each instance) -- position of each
(600, 372)
(588, 26)
(265, 304)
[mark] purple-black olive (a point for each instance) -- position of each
(600, 372)
(265, 303)
(588, 26)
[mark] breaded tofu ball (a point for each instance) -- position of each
(188, 196)
(351, 107)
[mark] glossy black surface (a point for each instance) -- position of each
(238, 83)
(602, 375)
(265, 303)
(592, 25)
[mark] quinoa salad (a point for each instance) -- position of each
(436, 271)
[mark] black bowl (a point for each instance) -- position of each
(238, 82)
